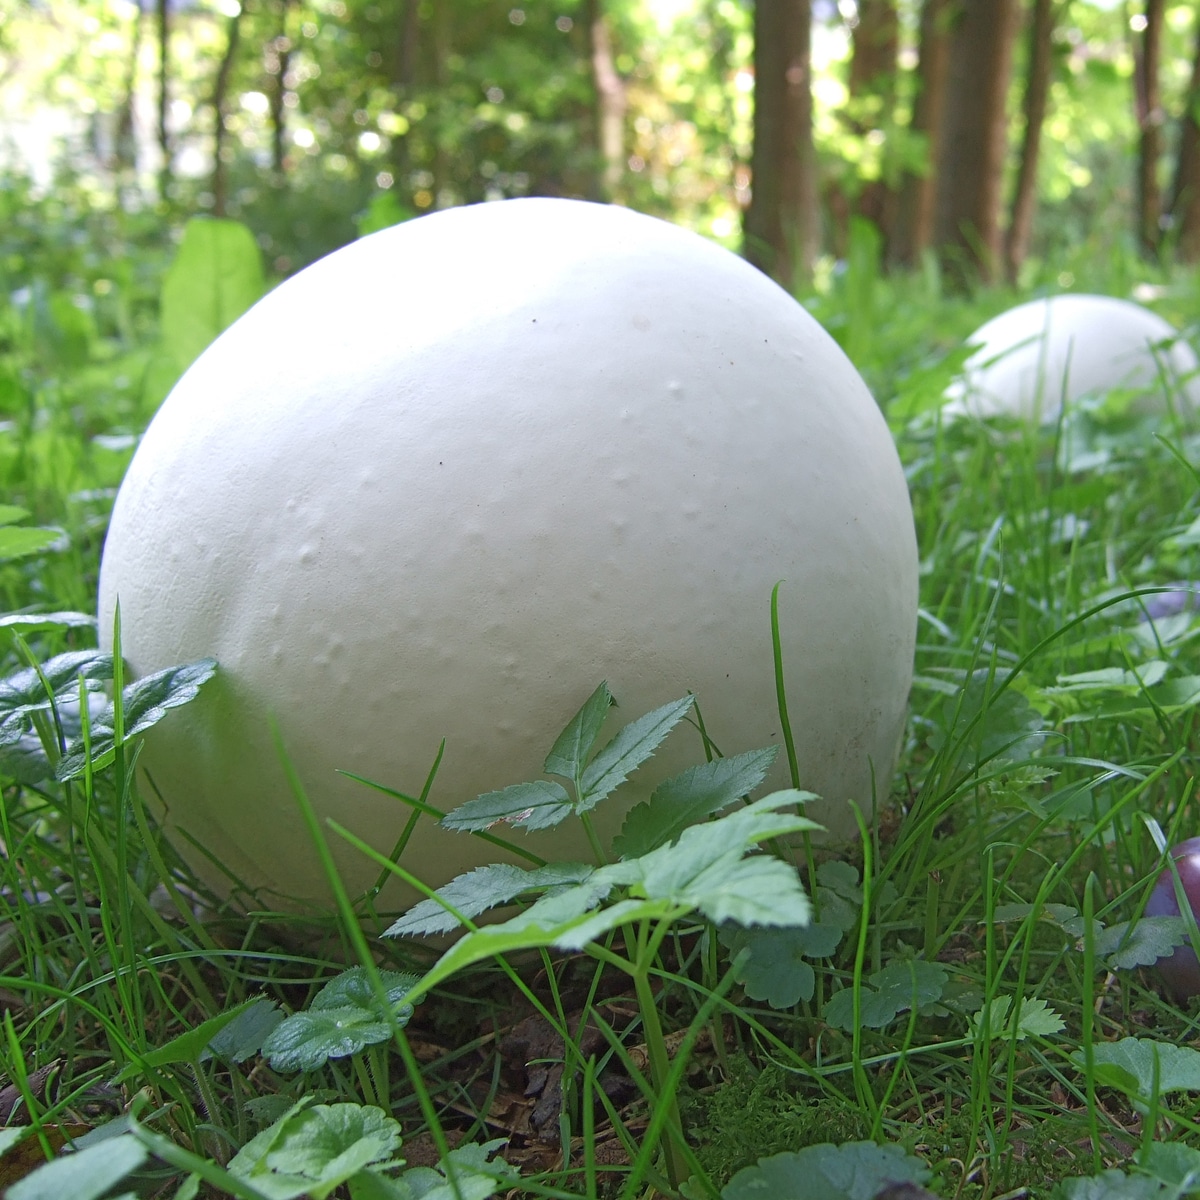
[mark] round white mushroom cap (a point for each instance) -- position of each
(445, 481)
(1034, 357)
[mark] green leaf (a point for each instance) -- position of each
(144, 703)
(481, 889)
(1062, 915)
(216, 276)
(82, 1174)
(536, 805)
(1036, 1019)
(312, 1151)
(1003, 727)
(689, 798)
(1134, 1061)
(24, 692)
(1173, 1164)
(628, 750)
(1113, 1185)
(189, 1046)
(776, 970)
(895, 989)
(344, 1017)
(18, 543)
(27, 623)
(1140, 943)
(10, 514)
(574, 745)
(854, 1171)
(244, 1036)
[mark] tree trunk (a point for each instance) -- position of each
(441, 55)
(403, 77)
(971, 172)
(1185, 192)
(916, 202)
(876, 40)
(279, 59)
(125, 141)
(781, 222)
(221, 154)
(164, 97)
(1037, 91)
(1149, 112)
(611, 102)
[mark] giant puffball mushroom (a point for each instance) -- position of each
(443, 482)
(1033, 357)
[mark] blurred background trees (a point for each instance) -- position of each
(979, 137)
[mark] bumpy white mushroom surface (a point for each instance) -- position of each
(443, 482)
(1033, 357)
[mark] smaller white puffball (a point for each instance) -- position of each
(1033, 358)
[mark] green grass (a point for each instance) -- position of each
(1019, 835)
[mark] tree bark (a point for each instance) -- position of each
(876, 42)
(164, 96)
(1037, 92)
(916, 203)
(1150, 117)
(280, 55)
(611, 101)
(220, 175)
(403, 73)
(125, 140)
(971, 172)
(1185, 192)
(781, 223)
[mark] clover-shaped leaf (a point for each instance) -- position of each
(899, 987)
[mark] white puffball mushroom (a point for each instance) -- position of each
(1033, 357)
(443, 482)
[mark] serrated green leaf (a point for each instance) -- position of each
(689, 798)
(1035, 1019)
(776, 969)
(854, 1171)
(536, 805)
(27, 623)
(144, 703)
(1140, 943)
(570, 752)
(1178, 1067)
(311, 1151)
(483, 888)
(10, 514)
(82, 1174)
(888, 993)
(24, 692)
(475, 1178)
(628, 750)
(244, 1036)
(18, 543)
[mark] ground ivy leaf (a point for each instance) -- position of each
(1035, 1019)
(689, 798)
(312, 1151)
(1174, 1164)
(24, 692)
(83, 1174)
(474, 1177)
(888, 993)
(536, 805)
(1134, 1060)
(775, 969)
(189, 1046)
(144, 703)
(1140, 943)
(244, 1036)
(628, 750)
(573, 746)
(854, 1171)
(1113, 1185)
(476, 891)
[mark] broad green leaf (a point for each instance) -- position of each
(1140, 943)
(888, 993)
(776, 969)
(311, 1151)
(12, 1136)
(216, 276)
(574, 745)
(144, 703)
(1174, 1164)
(1062, 915)
(1113, 1185)
(481, 889)
(689, 798)
(19, 542)
(23, 691)
(10, 514)
(854, 1171)
(244, 1036)
(536, 805)
(628, 750)
(1134, 1062)
(82, 1174)
(344, 1017)
(27, 623)
(475, 1178)
(840, 894)
(1113, 679)
(984, 724)
(1035, 1018)
(189, 1046)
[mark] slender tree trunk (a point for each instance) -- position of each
(279, 59)
(611, 102)
(781, 222)
(403, 77)
(221, 153)
(164, 96)
(876, 42)
(441, 55)
(1037, 92)
(916, 202)
(1150, 117)
(971, 174)
(125, 142)
(1185, 192)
